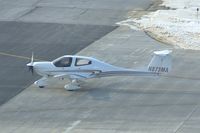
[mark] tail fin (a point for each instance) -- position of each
(161, 62)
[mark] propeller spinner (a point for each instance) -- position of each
(30, 65)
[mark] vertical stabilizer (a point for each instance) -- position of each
(161, 62)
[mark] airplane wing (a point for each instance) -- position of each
(99, 74)
(79, 74)
(125, 73)
(70, 76)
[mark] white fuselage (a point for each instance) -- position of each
(48, 69)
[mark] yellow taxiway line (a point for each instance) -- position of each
(17, 56)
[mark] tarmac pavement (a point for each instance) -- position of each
(48, 41)
(166, 104)
(51, 29)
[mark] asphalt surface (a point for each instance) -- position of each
(50, 29)
(165, 104)
(47, 41)
(92, 12)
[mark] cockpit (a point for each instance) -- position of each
(67, 62)
(63, 62)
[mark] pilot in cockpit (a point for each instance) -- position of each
(63, 62)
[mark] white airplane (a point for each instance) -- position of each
(77, 68)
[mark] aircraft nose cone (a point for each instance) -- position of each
(29, 64)
(30, 67)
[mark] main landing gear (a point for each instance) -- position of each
(74, 85)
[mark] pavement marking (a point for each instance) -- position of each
(17, 56)
(186, 119)
(74, 124)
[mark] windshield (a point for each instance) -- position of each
(63, 62)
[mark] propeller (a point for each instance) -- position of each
(30, 65)
(30, 69)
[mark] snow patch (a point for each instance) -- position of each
(181, 3)
(180, 27)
